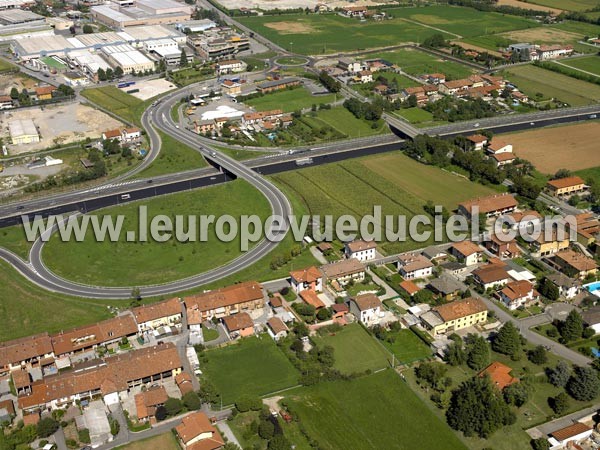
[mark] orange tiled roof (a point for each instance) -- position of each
(499, 375)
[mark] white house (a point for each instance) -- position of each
(567, 287)
(310, 278)
(518, 293)
(277, 328)
(365, 76)
(491, 276)
(466, 252)
(524, 220)
(572, 434)
(366, 308)
(231, 66)
(361, 250)
(497, 146)
(131, 134)
(348, 65)
(591, 318)
(412, 266)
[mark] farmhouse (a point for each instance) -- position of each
(310, 278)
(454, 316)
(361, 250)
(344, 271)
(493, 205)
(29, 351)
(197, 433)
(434, 78)
(566, 186)
(364, 76)
(355, 11)
(247, 296)
(366, 308)
(455, 87)
(277, 328)
(413, 265)
(575, 265)
(491, 276)
(478, 141)
(131, 134)
(108, 378)
(239, 325)
(112, 134)
(518, 293)
(157, 315)
(499, 375)
(466, 252)
(572, 434)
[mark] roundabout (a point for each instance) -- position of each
(292, 61)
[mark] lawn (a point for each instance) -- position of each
(344, 121)
(408, 348)
(415, 115)
(118, 102)
(137, 263)
(533, 80)
(588, 64)
(289, 100)
(13, 238)
(592, 174)
(27, 309)
(209, 334)
(254, 366)
(355, 350)
(6, 66)
(165, 441)
(373, 412)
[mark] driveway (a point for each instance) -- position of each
(225, 430)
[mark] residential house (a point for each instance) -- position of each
(339, 310)
(549, 243)
(413, 265)
(466, 252)
(205, 126)
(499, 375)
(555, 51)
(570, 436)
(364, 76)
(231, 88)
(21, 381)
(574, 264)
(493, 205)
(131, 134)
(146, 402)
(366, 308)
(519, 293)
(361, 250)
(435, 253)
(588, 227)
(310, 297)
(503, 159)
(591, 317)
(454, 267)
(112, 134)
(409, 287)
(246, 296)
(109, 378)
(445, 287)
(478, 141)
(566, 186)
(310, 278)
(524, 220)
(497, 147)
(567, 287)
(184, 382)
(157, 315)
(230, 66)
(6, 102)
(343, 271)
(355, 11)
(90, 337)
(502, 247)
(197, 433)
(349, 65)
(434, 78)
(491, 276)
(30, 351)
(454, 316)
(277, 328)
(455, 87)
(239, 325)
(44, 93)
(7, 411)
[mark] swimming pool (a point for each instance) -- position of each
(593, 288)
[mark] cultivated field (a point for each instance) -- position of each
(569, 5)
(529, 5)
(125, 263)
(166, 441)
(572, 147)
(534, 80)
(289, 100)
(351, 341)
(254, 366)
(374, 412)
(545, 35)
(589, 64)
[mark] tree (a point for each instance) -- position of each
(88, 29)
(437, 40)
(538, 355)
(572, 327)
(455, 354)
(423, 296)
(192, 401)
(584, 384)
(173, 406)
(560, 403)
(101, 74)
(477, 408)
(561, 173)
(478, 352)
(118, 72)
(324, 314)
(279, 442)
(183, 61)
(540, 444)
(508, 340)
(559, 376)
(47, 427)
(14, 93)
(548, 289)
(516, 394)
(248, 403)
(266, 429)
(432, 374)
(161, 413)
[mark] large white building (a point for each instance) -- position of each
(23, 131)
(121, 14)
(127, 58)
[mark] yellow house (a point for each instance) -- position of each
(566, 186)
(455, 316)
(543, 246)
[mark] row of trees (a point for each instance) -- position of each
(110, 74)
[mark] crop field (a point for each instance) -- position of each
(534, 80)
(400, 185)
(255, 366)
(289, 100)
(589, 64)
(375, 412)
(137, 263)
(569, 5)
(415, 62)
(573, 147)
(351, 341)
(529, 5)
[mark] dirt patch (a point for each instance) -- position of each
(541, 35)
(467, 46)
(291, 27)
(525, 5)
(572, 147)
(9, 81)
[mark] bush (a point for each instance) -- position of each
(47, 427)
(192, 401)
(173, 406)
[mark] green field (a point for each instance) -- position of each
(588, 64)
(400, 185)
(374, 412)
(125, 263)
(408, 348)
(355, 350)
(592, 174)
(533, 80)
(118, 102)
(415, 115)
(569, 5)
(289, 100)
(6, 66)
(254, 366)
(13, 238)
(326, 33)
(344, 121)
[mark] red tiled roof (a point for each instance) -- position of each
(309, 296)
(238, 322)
(227, 296)
(491, 203)
(460, 308)
(309, 275)
(367, 301)
(466, 248)
(570, 431)
(410, 287)
(154, 311)
(499, 375)
(196, 424)
(562, 183)
(277, 325)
